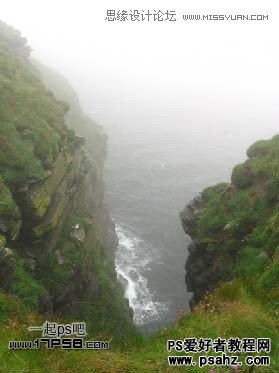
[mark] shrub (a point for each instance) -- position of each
(242, 176)
(25, 286)
(259, 148)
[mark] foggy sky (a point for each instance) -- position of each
(200, 73)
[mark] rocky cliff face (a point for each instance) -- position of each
(204, 268)
(233, 226)
(93, 200)
(57, 241)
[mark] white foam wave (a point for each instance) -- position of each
(133, 260)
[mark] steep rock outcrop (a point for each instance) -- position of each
(94, 203)
(232, 225)
(204, 268)
(57, 241)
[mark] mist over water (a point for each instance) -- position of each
(152, 171)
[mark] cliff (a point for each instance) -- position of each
(234, 227)
(57, 241)
(94, 201)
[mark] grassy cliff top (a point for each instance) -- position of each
(230, 311)
(242, 218)
(32, 130)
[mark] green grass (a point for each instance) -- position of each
(243, 222)
(230, 311)
(32, 128)
(25, 286)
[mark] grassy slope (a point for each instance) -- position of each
(32, 127)
(229, 311)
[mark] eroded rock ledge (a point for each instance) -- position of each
(234, 226)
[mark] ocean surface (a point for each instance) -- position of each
(150, 175)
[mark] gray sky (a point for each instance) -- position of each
(210, 71)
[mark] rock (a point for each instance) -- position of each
(79, 141)
(60, 258)
(7, 268)
(263, 255)
(15, 230)
(78, 233)
(7, 252)
(204, 269)
(46, 304)
(3, 227)
(31, 263)
(189, 214)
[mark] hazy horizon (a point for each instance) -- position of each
(207, 74)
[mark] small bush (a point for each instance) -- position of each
(242, 176)
(25, 286)
(259, 148)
